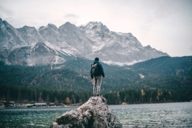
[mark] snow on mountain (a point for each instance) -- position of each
(52, 45)
(67, 37)
(40, 54)
(30, 35)
(50, 33)
(76, 38)
(117, 48)
(10, 37)
(96, 32)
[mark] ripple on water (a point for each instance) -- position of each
(169, 115)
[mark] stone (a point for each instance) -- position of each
(95, 113)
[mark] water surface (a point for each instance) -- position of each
(166, 115)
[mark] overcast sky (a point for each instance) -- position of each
(164, 24)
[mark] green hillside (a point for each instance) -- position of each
(158, 80)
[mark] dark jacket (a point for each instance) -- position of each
(97, 69)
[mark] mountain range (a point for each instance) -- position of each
(51, 45)
(54, 63)
(163, 72)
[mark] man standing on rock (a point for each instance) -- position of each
(97, 75)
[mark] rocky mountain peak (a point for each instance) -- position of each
(50, 33)
(96, 27)
(5, 25)
(67, 26)
(148, 47)
(27, 30)
(41, 47)
(9, 37)
(49, 26)
(93, 39)
(1, 21)
(52, 26)
(30, 35)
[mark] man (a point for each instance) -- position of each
(97, 75)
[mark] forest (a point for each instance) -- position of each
(165, 79)
(127, 96)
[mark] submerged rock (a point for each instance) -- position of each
(92, 114)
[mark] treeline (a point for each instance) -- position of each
(35, 94)
(159, 95)
(130, 96)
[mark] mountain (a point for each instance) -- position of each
(30, 35)
(117, 48)
(160, 72)
(166, 72)
(160, 79)
(39, 54)
(53, 63)
(9, 39)
(89, 41)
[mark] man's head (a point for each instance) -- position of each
(97, 59)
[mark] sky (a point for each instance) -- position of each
(164, 24)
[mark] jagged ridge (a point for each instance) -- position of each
(89, 41)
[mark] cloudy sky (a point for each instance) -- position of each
(164, 24)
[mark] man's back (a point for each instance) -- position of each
(97, 74)
(97, 69)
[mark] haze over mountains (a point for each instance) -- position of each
(52, 45)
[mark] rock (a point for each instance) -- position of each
(92, 114)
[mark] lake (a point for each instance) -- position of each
(163, 115)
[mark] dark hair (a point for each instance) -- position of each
(96, 59)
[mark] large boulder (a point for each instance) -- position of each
(92, 114)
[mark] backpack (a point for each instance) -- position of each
(94, 69)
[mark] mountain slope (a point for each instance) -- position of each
(161, 79)
(30, 35)
(39, 54)
(166, 72)
(118, 48)
(89, 41)
(9, 39)
(161, 72)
